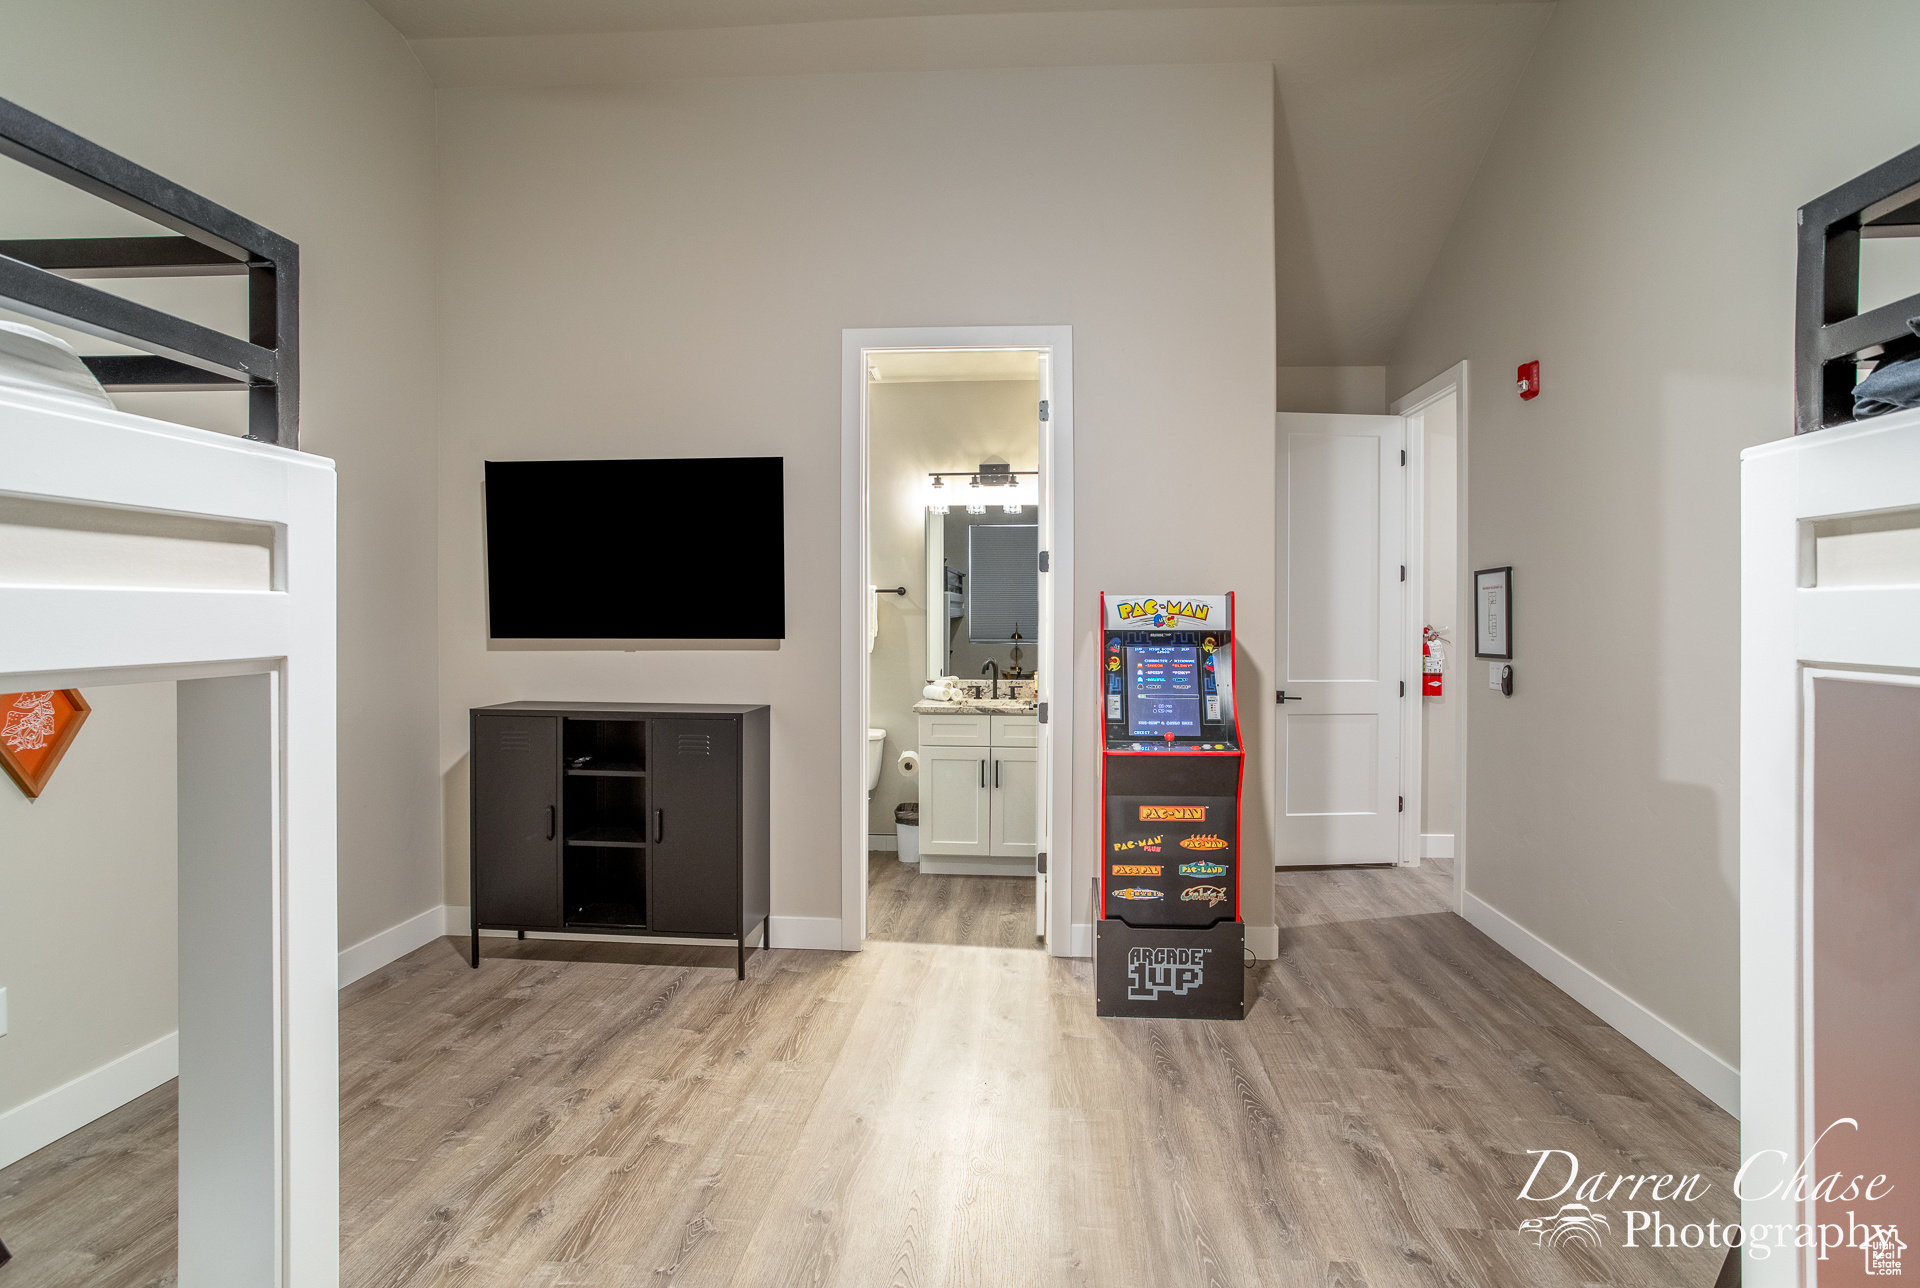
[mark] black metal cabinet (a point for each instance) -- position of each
(516, 821)
(621, 819)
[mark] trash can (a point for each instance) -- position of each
(906, 821)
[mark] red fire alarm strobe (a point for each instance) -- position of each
(1529, 379)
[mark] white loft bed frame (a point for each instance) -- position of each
(248, 633)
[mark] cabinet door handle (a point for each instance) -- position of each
(983, 773)
(659, 824)
(550, 821)
(996, 775)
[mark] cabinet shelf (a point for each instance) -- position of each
(623, 838)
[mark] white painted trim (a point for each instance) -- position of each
(1080, 939)
(820, 933)
(1056, 682)
(889, 843)
(1265, 942)
(391, 944)
(985, 865)
(71, 1106)
(1452, 380)
(1436, 845)
(1710, 1075)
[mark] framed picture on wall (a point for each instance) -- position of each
(1493, 612)
(35, 731)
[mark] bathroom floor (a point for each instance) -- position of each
(906, 906)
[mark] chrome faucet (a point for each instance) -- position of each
(993, 664)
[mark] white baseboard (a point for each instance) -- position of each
(942, 865)
(821, 933)
(48, 1117)
(1265, 942)
(393, 943)
(1082, 945)
(1711, 1076)
(878, 842)
(1436, 845)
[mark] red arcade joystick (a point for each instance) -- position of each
(1169, 737)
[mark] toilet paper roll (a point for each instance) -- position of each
(909, 763)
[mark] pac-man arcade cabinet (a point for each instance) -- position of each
(1170, 941)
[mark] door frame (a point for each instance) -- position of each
(1449, 383)
(1055, 669)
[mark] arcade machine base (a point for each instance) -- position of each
(1171, 974)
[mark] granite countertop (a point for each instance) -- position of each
(973, 706)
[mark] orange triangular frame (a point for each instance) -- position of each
(36, 782)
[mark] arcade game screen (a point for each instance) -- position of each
(1163, 691)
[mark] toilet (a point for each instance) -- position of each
(876, 745)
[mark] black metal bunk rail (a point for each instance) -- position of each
(1830, 332)
(36, 278)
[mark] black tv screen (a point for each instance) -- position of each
(689, 548)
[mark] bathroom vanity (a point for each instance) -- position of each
(979, 787)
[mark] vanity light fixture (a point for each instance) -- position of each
(974, 504)
(936, 496)
(1012, 490)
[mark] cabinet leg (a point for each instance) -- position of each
(476, 948)
(741, 945)
(521, 933)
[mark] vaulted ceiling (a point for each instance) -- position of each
(1383, 114)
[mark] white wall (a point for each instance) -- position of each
(915, 427)
(1633, 228)
(314, 118)
(666, 269)
(87, 904)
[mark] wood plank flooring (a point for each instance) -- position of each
(940, 1113)
(976, 912)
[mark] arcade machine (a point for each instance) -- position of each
(1169, 941)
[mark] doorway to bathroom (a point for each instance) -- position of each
(957, 563)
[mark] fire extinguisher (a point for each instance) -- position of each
(1433, 661)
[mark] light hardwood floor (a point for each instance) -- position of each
(936, 1113)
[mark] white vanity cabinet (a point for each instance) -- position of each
(979, 793)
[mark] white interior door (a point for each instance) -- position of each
(1340, 514)
(1042, 665)
(954, 801)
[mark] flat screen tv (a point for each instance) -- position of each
(681, 549)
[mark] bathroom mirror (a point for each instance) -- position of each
(982, 585)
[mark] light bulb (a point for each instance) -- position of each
(975, 507)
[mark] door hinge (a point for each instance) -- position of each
(1043, 409)
(1043, 713)
(1403, 456)
(1403, 688)
(1040, 862)
(1403, 804)
(1403, 572)
(1046, 562)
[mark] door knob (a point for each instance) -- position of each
(1281, 696)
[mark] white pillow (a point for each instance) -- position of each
(33, 360)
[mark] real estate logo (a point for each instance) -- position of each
(1153, 971)
(1664, 1224)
